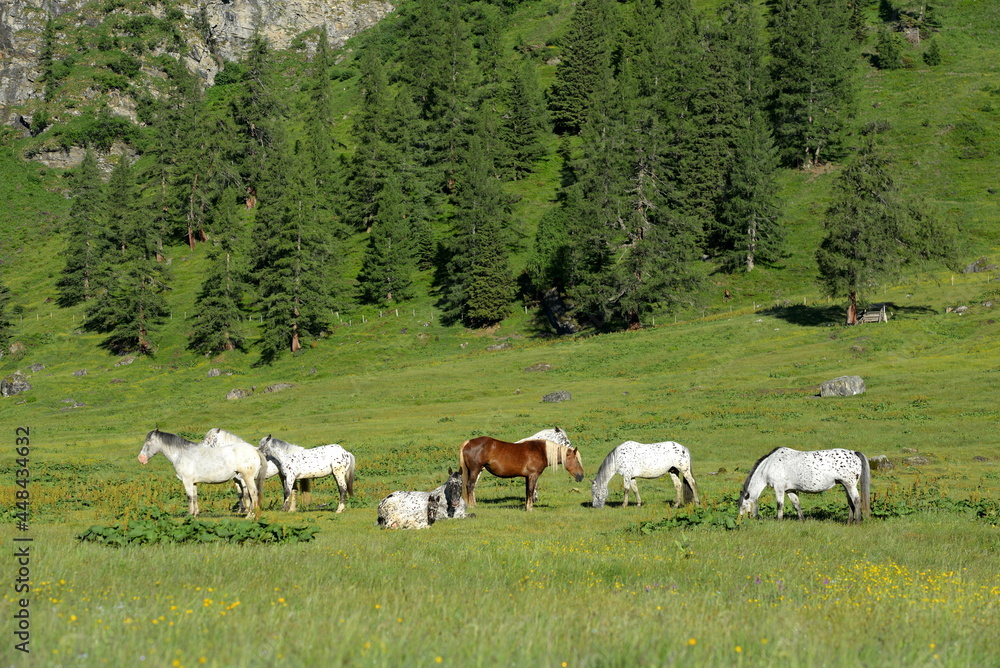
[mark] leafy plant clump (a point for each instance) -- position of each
(705, 517)
(162, 529)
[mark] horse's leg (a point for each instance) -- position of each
(626, 484)
(679, 498)
(635, 488)
(530, 481)
(288, 484)
(474, 474)
(192, 494)
(341, 478)
(795, 502)
(779, 499)
(853, 504)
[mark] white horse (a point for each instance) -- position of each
(194, 464)
(216, 437)
(790, 471)
(645, 460)
(419, 510)
(307, 463)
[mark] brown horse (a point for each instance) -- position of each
(526, 459)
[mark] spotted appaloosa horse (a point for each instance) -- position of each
(419, 510)
(645, 460)
(511, 460)
(790, 471)
(315, 462)
(556, 435)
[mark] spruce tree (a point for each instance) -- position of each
(6, 326)
(389, 261)
(479, 287)
(583, 65)
(129, 302)
(526, 119)
(874, 231)
(748, 229)
(293, 259)
(890, 55)
(219, 316)
(813, 70)
(87, 244)
(374, 153)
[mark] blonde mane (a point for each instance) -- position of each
(555, 454)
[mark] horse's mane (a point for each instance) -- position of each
(607, 469)
(753, 469)
(277, 442)
(173, 440)
(225, 437)
(555, 454)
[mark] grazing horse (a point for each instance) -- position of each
(511, 460)
(790, 471)
(645, 460)
(419, 510)
(194, 464)
(306, 463)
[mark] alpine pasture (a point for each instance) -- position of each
(917, 584)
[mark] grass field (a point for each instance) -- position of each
(564, 585)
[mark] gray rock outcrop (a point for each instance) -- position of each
(556, 397)
(13, 384)
(844, 386)
(238, 393)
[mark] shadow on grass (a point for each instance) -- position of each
(826, 316)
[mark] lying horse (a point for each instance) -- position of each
(195, 464)
(790, 471)
(511, 460)
(305, 463)
(641, 460)
(419, 510)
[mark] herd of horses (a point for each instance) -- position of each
(222, 457)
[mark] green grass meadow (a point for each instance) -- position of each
(564, 585)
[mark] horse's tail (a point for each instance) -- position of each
(350, 474)
(689, 492)
(261, 478)
(866, 486)
(463, 467)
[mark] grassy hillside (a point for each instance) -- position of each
(566, 584)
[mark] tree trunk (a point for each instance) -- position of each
(852, 308)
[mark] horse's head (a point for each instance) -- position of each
(598, 494)
(265, 445)
(453, 492)
(747, 505)
(150, 447)
(574, 464)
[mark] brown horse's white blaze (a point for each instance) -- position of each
(526, 459)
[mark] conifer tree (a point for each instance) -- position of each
(218, 317)
(374, 152)
(389, 261)
(480, 287)
(527, 119)
(583, 65)
(874, 231)
(87, 244)
(293, 258)
(748, 230)
(813, 69)
(890, 55)
(129, 300)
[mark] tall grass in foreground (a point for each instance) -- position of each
(559, 585)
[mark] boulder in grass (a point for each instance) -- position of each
(79, 373)
(278, 387)
(13, 384)
(214, 373)
(238, 393)
(844, 386)
(556, 397)
(881, 463)
(34, 368)
(541, 366)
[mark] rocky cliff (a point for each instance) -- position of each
(204, 33)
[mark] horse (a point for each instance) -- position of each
(512, 460)
(306, 463)
(556, 435)
(419, 510)
(216, 437)
(790, 471)
(194, 464)
(645, 460)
